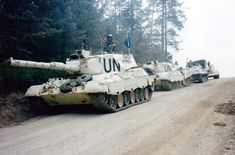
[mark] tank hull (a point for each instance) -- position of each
(124, 89)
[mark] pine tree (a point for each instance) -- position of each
(166, 19)
(22, 26)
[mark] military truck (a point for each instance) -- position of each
(110, 81)
(199, 69)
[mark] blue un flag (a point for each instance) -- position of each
(128, 41)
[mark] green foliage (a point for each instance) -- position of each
(174, 19)
(23, 26)
(46, 30)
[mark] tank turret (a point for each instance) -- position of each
(82, 62)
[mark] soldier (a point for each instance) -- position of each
(110, 44)
(209, 63)
(209, 66)
(176, 63)
(85, 44)
(189, 64)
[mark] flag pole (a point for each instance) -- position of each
(101, 41)
(129, 48)
(128, 43)
(101, 45)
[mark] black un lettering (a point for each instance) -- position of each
(112, 65)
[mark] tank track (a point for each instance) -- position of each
(200, 77)
(100, 101)
(167, 85)
(188, 82)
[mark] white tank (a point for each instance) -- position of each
(169, 76)
(109, 81)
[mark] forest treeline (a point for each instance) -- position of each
(50, 30)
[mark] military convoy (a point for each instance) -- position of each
(112, 81)
(109, 81)
(170, 76)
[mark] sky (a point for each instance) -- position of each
(209, 33)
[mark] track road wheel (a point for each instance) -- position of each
(184, 83)
(174, 84)
(203, 79)
(132, 97)
(101, 101)
(127, 99)
(146, 93)
(177, 85)
(151, 93)
(153, 87)
(216, 77)
(112, 102)
(120, 100)
(169, 85)
(181, 84)
(137, 95)
(142, 97)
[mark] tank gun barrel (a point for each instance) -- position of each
(43, 65)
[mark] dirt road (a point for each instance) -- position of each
(179, 122)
